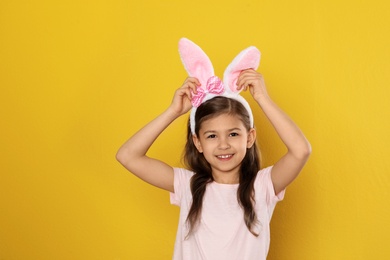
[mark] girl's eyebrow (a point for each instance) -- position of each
(229, 130)
(235, 129)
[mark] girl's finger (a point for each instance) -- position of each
(193, 80)
(248, 78)
(184, 92)
(243, 82)
(189, 94)
(241, 78)
(192, 86)
(191, 83)
(248, 73)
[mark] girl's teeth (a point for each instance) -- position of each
(224, 156)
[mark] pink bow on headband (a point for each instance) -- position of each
(214, 86)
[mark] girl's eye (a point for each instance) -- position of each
(211, 136)
(233, 134)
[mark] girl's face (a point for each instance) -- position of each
(224, 140)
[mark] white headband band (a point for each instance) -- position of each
(198, 65)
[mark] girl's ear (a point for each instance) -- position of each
(251, 138)
(197, 143)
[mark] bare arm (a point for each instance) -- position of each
(287, 168)
(132, 154)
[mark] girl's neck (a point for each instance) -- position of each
(224, 178)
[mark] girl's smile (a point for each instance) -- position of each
(225, 157)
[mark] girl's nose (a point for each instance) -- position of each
(224, 144)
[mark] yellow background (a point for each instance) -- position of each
(77, 78)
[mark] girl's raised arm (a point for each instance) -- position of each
(132, 154)
(287, 168)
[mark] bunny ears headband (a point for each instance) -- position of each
(198, 65)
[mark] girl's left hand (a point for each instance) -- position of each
(254, 81)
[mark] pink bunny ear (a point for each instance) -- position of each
(246, 59)
(195, 60)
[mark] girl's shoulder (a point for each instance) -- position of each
(182, 175)
(183, 171)
(264, 186)
(182, 191)
(264, 172)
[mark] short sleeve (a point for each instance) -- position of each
(181, 182)
(264, 181)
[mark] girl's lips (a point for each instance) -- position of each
(225, 156)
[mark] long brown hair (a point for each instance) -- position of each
(196, 162)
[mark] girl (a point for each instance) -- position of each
(226, 201)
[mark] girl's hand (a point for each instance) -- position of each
(181, 102)
(254, 81)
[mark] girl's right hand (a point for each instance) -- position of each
(181, 102)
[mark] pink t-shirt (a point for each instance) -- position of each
(222, 233)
